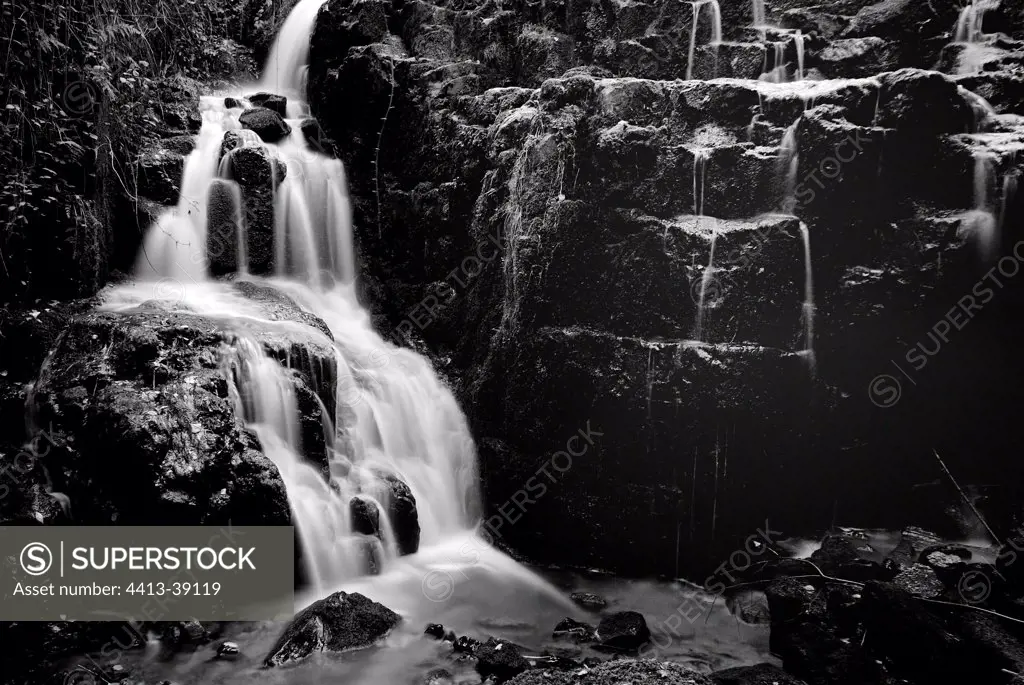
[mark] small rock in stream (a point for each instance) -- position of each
(624, 631)
(588, 600)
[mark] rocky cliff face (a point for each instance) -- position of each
(547, 189)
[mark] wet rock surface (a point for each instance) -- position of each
(338, 623)
(267, 123)
(147, 393)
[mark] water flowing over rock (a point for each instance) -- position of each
(253, 399)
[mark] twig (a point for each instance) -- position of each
(965, 498)
(970, 606)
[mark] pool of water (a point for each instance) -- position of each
(472, 589)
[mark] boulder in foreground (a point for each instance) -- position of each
(338, 623)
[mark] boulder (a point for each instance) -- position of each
(434, 630)
(400, 508)
(145, 394)
(624, 631)
(919, 580)
(761, 674)
(338, 623)
(276, 103)
(574, 630)
(267, 124)
(366, 518)
(224, 224)
(589, 601)
(922, 103)
(499, 659)
(438, 676)
(257, 171)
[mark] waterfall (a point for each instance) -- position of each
(969, 36)
(393, 419)
(285, 70)
(1010, 183)
(700, 162)
(981, 221)
(798, 39)
(779, 71)
(788, 165)
(981, 109)
(716, 29)
(758, 14)
(808, 305)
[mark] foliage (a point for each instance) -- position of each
(82, 82)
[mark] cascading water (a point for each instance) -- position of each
(700, 163)
(716, 29)
(969, 36)
(981, 221)
(788, 165)
(758, 14)
(808, 305)
(779, 71)
(393, 417)
(798, 40)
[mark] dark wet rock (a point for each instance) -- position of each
(574, 630)
(277, 306)
(761, 674)
(438, 676)
(267, 123)
(857, 57)
(625, 630)
(815, 631)
(920, 580)
(338, 623)
(633, 671)
(176, 104)
(465, 644)
(499, 659)
(588, 600)
(159, 171)
(316, 138)
(275, 103)
(434, 630)
(921, 29)
(344, 24)
(228, 650)
(224, 219)
(232, 103)
(366, 520)
(400, 505)
(144, 394)
(257, 171)
(922, 102)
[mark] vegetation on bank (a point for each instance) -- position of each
(84, 85)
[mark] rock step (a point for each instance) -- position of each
(618, 262)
